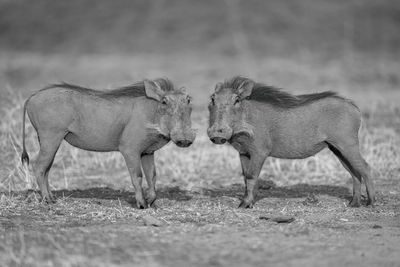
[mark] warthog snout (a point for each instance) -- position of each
(183, 143)
(219, 135)
(218, 140)
(183, 139)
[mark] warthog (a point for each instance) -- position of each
(136, 120)
(261, 121)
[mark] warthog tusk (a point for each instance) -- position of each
(244, 129)
(156, 130)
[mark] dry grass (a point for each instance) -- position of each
(203, 165)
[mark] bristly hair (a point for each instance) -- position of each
(134, 90)
(277, 97)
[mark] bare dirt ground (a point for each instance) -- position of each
(99, 227)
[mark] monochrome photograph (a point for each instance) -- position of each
(199, 133)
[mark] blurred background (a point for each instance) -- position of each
(308, 45)
(348, 46)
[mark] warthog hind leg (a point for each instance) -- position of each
(359, 169)
(356, 177)
(49, 144)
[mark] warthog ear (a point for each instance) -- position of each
(245, 89)
(153, 90)
(218, 87)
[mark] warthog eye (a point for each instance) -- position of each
(237, 100)
(189, 99)
(212, 99)
(164, 101)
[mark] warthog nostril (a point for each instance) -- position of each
(183, 143)
(218, 140)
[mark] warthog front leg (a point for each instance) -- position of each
(251, 170)
(132, 161)
(149, 170)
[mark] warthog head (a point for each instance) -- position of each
(227, 112)
(174, 111)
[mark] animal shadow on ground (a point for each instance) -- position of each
(168, 192)
(266, 189)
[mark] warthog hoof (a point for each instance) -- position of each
(49, 199)
(371, 202)
(151, 198)
(245, 204)
(355, 202)
(152, 203)
(141, 204)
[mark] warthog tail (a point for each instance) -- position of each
(24, 156)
